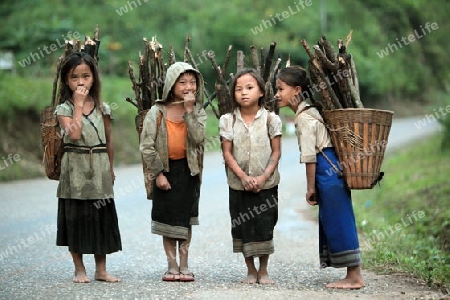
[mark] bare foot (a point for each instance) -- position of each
(263, 277)
(347, 283)
(250, 279)
(80, 277)
(105, 276)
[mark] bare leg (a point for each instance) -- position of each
(252, 273)
(183, 250)
(353, 280)
(171, 254)
(100, 269)
(263, 275)
(80, 271)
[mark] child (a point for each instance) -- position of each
(251, 145)
(171, 143)
(86, 170)
(338, 238)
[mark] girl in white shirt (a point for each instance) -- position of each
(338, 238)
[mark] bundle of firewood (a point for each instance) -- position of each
(51, 138)
(152, 69)
(333, 75)
(71, 46)
(261, 63)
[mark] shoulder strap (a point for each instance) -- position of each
(320, 150)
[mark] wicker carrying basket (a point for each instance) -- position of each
(148, 178)
(51, 141)
(360, 137)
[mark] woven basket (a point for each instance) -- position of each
(360, 137)
(148, 178)
(51, 141)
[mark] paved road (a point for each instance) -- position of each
(34, 268)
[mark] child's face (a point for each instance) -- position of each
(81, 75)
(185, 84)
(286, 94)
(247, 91)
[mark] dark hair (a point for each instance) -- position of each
(198, 91)
(259, 80)
(71, 62)
(298, 76)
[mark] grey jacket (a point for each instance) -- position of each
(154, 146)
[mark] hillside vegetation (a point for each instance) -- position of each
(400, 47)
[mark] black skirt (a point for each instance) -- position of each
(253, 219)
(175, 210)
(88, 226)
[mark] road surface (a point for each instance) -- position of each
(34, 268)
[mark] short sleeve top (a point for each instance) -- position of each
(251, 144)
(311, 133)
(86, 176)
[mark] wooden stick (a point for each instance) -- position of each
(327, 93)
(97, 42)
(135, 86)
(262, 60)
(254, 56)
(221, 87)
(188, 54)
(209, 99)
(186, 46)
(328, 49)
(227, 59)
(324, 60)
(349, 38)
(269, 87)
(268, 62)
(152, 82)
(240, 60)
(288, 61)
(172, 58)
(355, 80)
(128, 99)
(161, 72)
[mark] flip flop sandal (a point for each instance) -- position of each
(190, 277)
(169, 276)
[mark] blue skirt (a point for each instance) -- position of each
(338, 237)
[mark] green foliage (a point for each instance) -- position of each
(412, 72)
(405, 222)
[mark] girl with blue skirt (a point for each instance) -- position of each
(338, 238)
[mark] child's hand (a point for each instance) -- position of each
(260, 182)
(189, 102)
(311, 197)
(162, 182)
(80, 95)
(249, 183)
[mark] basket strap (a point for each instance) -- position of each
(336, 169)
(331, 163)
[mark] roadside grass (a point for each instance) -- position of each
(405, 222)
